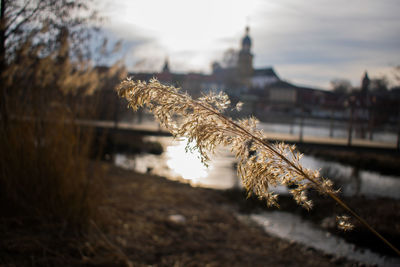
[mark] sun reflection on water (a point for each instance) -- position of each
(186, 164)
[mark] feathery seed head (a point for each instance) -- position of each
(260, 164)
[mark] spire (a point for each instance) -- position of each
(365, 83)
(166, 66)
(246, 41)
(245, 59)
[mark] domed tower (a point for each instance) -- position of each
(246, 41)
(245, 60)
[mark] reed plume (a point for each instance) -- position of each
(261, 164)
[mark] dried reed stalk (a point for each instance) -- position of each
(261, 164)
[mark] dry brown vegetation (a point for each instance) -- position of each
(49, 195)
(44, 153)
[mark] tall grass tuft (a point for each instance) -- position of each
(44, 157)
(261, 164)
(44, 172)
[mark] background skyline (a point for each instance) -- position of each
(309, 44)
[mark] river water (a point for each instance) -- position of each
(176, 164)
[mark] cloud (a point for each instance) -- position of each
(317, 39)
(308, 42)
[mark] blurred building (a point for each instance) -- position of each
(264, 93)
(261, 90)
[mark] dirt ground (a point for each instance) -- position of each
(151, 221)
(157, 222)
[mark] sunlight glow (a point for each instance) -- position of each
(185, 24)
(186, 31)
(187, 165)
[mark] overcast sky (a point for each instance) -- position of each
(307, 42)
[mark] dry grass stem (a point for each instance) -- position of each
(261, 164)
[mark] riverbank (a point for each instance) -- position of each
(380, 213)
(149, 220)
(159, 222)
(388, 164)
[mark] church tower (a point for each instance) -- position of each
(245, 59)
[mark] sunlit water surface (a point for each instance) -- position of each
(175, 163)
